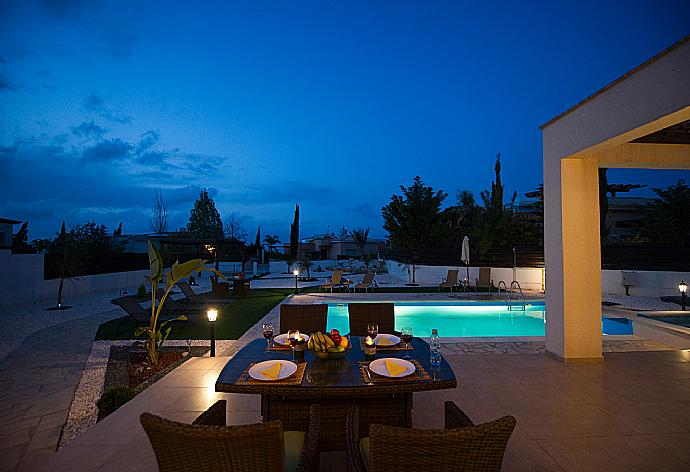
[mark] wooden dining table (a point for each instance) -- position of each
(334, 385)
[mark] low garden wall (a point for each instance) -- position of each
(22, 280)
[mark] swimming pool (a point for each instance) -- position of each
(468, 319)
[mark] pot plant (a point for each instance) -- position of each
(156, 332)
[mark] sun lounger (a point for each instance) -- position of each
(140, 315)
(337, 281)
(484, 281)
(367, 282)
(193, 298)
(450, 281)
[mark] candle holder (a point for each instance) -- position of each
(301, 345)
(369, 347)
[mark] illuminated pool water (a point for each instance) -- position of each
(468, 319)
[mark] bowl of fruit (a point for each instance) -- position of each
(329, 345)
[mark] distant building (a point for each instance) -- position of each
(6, 232)
(139, 242)
(625, 216)
(332, 247)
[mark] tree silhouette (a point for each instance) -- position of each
(159, 218)
(271, 241)
(204, 219)
(294, 234)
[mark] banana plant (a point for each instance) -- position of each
(158, 333)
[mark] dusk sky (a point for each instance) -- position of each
(331, 105)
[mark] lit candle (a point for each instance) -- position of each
(369, 346)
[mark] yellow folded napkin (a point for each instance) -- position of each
(394, 369)
(272, 372)
(384, 342)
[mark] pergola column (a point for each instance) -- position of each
(573, 259)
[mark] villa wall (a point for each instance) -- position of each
(650, 283)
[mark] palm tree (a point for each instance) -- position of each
(271, 241)
(361, 236)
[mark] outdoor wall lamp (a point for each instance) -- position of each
(212, 316)
(683, 287)
(296, 274)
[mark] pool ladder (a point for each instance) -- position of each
(505, 289)
(510, 296)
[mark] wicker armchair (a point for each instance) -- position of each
(363, 314)
(306, 318)
(219, 289)
(209, 445)
(457, 448)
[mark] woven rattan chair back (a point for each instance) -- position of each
(363, 314)
(182, 447)
(306, 318)
(473, 449)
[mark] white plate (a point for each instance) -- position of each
(379, 367)
(287, 368)
(282, 338)
(392, 338)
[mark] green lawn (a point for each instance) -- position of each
(233, 319)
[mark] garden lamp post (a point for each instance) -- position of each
(296, 274)
(212, 315)
(683, 287)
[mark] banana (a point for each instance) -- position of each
(329, 342)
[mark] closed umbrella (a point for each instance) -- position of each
(465, 255)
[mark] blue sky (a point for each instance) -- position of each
(331, 105)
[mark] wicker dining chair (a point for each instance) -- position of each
(207, 445)
(306, 318)
(363, 314)
(462, 446)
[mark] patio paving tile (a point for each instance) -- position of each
(10, 457)
(612, 453)
(676, 444)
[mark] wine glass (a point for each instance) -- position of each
(373, 330)
(293, 336)
(267, 330)
(406, 337)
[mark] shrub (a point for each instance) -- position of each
(112, 399)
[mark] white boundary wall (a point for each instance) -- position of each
(650, 283)
(21, 281)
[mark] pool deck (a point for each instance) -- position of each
(631, 412)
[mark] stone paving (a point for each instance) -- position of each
(39, 379)
(630, 344)
(631, 412)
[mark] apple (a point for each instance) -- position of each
(335, 336)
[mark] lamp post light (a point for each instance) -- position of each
(212, 315)
(296, 274)
(683, 287)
